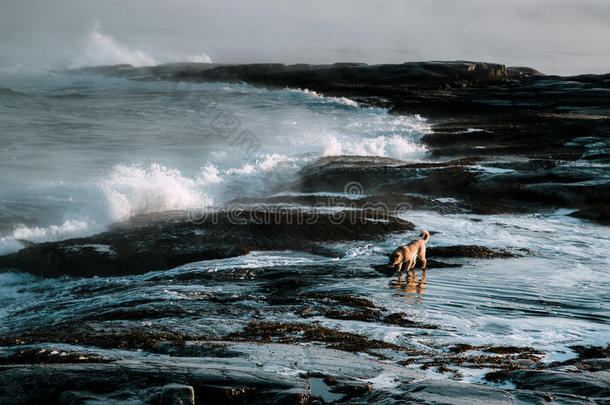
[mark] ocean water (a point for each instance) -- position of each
(79, 152)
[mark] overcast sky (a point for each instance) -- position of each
(554, 36)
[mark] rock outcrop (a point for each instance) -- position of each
(163, 241)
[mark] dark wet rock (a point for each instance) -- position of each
(430, 264)
(280, 332)
(89, 398)
(594, 364)
(471, 251)
(456, 186)
(353, 390)
(461, 348)
(178, 394)
(497, 376)
(131, 340)
(328, 380)
(597, 213)
(237, 379)
(399, 319)
(591, 352)
(164, 241)
(365, 315)
(421, 75)
(138, 380)
(379, 206)
(379, 178)
(343, 299)
(448, 392)
(519, 110)
(45, 356)
(596, 384)
(435, 264)
(590, 358)
(194, 348)
(501, 359)
(385, 269)
(361, 310)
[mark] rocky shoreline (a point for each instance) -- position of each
(504, 140)
(510, 138)
(100, 358)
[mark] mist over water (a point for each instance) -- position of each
(553, 36)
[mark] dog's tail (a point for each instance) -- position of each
(425, 235)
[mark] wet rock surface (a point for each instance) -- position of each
(478, 185)
(97, 354)
(244, 376)
(83, 359)
(473, 251)
(147, 382)
(590, 384)
(447, 392)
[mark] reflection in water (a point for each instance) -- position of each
(412, 289)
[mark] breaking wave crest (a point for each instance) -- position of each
(132, 190)
(101, 48)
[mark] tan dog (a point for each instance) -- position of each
(409, 253)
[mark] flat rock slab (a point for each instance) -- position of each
(596, 384)
(254, 373)
(211, 381)
(439, 392)
(471, 251)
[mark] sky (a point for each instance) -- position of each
(553, 36)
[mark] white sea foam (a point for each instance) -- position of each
(389, 146)
(38, 234)
(69, 228)
(264, 163)
(329, 99)
(132, 190)
(209, 175)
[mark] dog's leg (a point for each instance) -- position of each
(411, 264)
(400, 267)
(422, 256)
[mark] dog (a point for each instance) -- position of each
(410, 253)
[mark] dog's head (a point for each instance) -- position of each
(395, 257)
